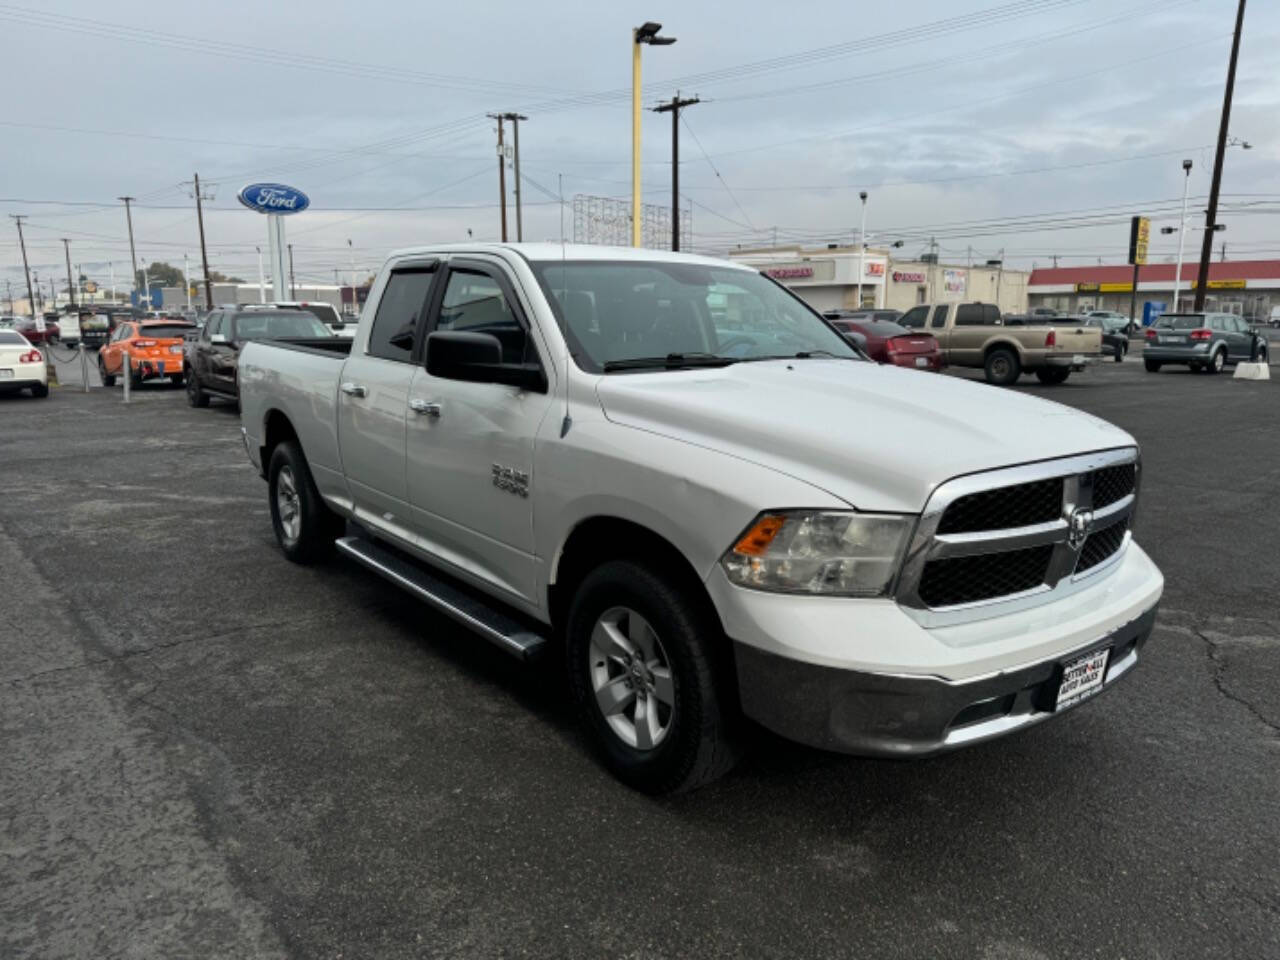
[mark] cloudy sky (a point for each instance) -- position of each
(1035, 127)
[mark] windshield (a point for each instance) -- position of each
(1176, 321)
(630, 310)
(273, 324)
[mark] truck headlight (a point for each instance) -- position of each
(820, 552)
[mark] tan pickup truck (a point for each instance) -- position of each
(975, 335)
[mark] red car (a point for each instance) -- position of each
(27, 327)
(886, 342)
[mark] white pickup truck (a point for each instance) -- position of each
(674, 470)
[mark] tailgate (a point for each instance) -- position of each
(1077, 340)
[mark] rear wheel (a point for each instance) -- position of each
(1121, 350)
(1216, 362)
(305, 528)
(108, 379)
(40, 390)
(1002, 367)
(1052, 376)
(648, 672)
(1153, 366)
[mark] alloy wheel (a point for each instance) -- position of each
(287, 506)
(631, 676)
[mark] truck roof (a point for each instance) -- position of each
(543, 252)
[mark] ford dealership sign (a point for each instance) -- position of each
(273, 198)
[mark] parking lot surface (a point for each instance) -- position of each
(210, 752)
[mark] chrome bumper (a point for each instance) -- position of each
(893, 715)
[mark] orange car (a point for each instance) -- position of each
(151, 348)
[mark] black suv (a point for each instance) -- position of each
(209, 362)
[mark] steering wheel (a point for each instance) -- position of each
(735, 342)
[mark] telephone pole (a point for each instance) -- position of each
(128, 215)
(515, 119)
(1211, 215)
(31, 296)
(502, 173)
(71, 287)
(673, 108)
(204, 253)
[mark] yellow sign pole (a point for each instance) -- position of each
(635, 140)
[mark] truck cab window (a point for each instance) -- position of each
(399, 312)
(474, 301)
(969, 315)
(940, 316)
(914, 318)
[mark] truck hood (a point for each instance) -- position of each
(878, 437)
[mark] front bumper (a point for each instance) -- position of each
(896, 715)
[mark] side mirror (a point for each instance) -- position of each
(477, 358)
(219, 340)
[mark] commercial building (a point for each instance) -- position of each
(1250, 288)
(827, 278)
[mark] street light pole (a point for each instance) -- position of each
(862, 247)
(262, 281)
(1211, 215)
(645, 33)
(1182, 235)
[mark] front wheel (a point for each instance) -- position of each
(305, 528)
(1153, 366)
(1121, 350)
(649, 675)
(1002, 367)
(1052, 376)
(195, 393)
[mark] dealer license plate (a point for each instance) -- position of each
(6, 374)
(1173, 339)
(1082, 678)
(922, 361)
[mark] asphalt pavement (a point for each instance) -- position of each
(206, 751)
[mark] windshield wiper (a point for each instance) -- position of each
(672, 361)
(802, 355)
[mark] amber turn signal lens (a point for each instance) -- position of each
(756, 540)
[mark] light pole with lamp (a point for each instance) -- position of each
(645, 33)
(862, 247)
(1182, 236)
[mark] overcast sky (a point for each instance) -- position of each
(951, 113)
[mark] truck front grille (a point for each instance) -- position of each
(949, 583)
(1102, 544)
(1018, 506)
(984, 538)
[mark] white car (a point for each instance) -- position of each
(22, 366)
(675, 470)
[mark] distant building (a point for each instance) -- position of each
(1246, 287)
(827, 278)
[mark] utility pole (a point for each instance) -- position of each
(502, 173)
(515, 119)
(351, 253)
(1211, 215)
(186, 277)
(31, 297)
(133, 256)
(673, 108)
(71, 287)
(204, 253)
(293, 293)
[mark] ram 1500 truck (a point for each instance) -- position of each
(974, 335)
(680, 474)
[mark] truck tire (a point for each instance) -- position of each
(649, 674)
(305, 528)
(1121, 350)
(108, 379)
(195, 393)
(1153, 366)
(1002, 367)
(1052, 376)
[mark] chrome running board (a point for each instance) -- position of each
(508, 633)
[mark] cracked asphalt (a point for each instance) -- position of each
(208, 752)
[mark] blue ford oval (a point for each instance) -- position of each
(273, 198)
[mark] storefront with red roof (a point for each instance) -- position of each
(1250, 288)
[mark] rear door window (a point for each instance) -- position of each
(939, 317)
(400, 314)
(969, 315)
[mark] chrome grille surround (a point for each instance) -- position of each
(1061, 576)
